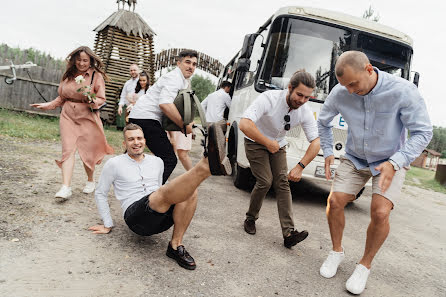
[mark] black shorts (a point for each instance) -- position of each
(144, 221)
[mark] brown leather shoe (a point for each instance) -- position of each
(250, 226)
(181, 256)
(294, 238)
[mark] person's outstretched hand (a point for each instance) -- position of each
(44, 106)
(100, 229)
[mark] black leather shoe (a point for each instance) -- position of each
(181, 256)
(250, 226)
(294, 238)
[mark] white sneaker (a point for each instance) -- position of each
(331, 264)
(64, 192)
(89, 187)
(356, 283)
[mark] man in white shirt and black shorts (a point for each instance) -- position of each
(265, 124)
(148, 206)
(158, 101)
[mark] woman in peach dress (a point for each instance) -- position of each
(80, 126)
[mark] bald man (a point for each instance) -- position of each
(378, 108)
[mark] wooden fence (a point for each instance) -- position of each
(20, 94)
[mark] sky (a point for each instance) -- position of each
(217, 28)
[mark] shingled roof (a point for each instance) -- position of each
(129, 22)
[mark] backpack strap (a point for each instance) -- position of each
(201, 112)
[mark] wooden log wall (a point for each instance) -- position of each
(118, 51)
(168, 58)
(20, 94)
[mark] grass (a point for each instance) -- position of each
(423, 178)
(36, 127)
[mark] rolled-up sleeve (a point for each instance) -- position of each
(101, 193)
(169, 91)
(324, 124)
(309, 126)
(415, 118)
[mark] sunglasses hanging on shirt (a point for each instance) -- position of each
(287, 122)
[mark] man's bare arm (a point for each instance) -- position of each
(312, 151)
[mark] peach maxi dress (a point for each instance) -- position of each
(80, 128)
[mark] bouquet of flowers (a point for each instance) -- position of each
(85, 90)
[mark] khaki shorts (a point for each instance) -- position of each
(350, 180)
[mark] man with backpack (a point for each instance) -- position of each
(158, 101)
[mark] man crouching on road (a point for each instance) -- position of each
(379, 108)
(148, 207)
(265, 124)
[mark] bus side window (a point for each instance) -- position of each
(246, 79)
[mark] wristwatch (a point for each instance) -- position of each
(301, 165)
(395, 166)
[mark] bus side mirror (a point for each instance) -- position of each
(416, 78)
(248, 45)
(243, 64)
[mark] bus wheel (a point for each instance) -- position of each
(241, 176)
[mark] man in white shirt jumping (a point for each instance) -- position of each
(127, 89)
(265, 124)
(148, 206)
(215, 103)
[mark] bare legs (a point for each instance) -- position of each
(68, 167)
(181, 191)
(183, 155)
(378, 228)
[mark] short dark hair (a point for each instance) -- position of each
(187, 53)
(302, 77)
(130, 127)
(225, 84)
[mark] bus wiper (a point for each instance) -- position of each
(269, 85)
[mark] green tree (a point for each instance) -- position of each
(369, 14)
(202, 86)
(438, 142)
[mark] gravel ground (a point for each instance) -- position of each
(46, 249)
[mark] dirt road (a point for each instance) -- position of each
(46, 250)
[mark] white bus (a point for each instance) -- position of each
(302, 37)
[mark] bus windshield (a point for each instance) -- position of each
(301, 44)
(298, 44)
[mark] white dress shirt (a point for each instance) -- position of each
(268, 112)
(131, 181)
(215, 104)
(129, 88)
(163, 91)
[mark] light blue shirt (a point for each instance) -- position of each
(378, 123)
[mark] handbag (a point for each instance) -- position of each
(186, 102)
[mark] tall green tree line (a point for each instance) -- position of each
(438, 142)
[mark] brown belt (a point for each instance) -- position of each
(74, 100)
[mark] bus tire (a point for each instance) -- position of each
(241, 177)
